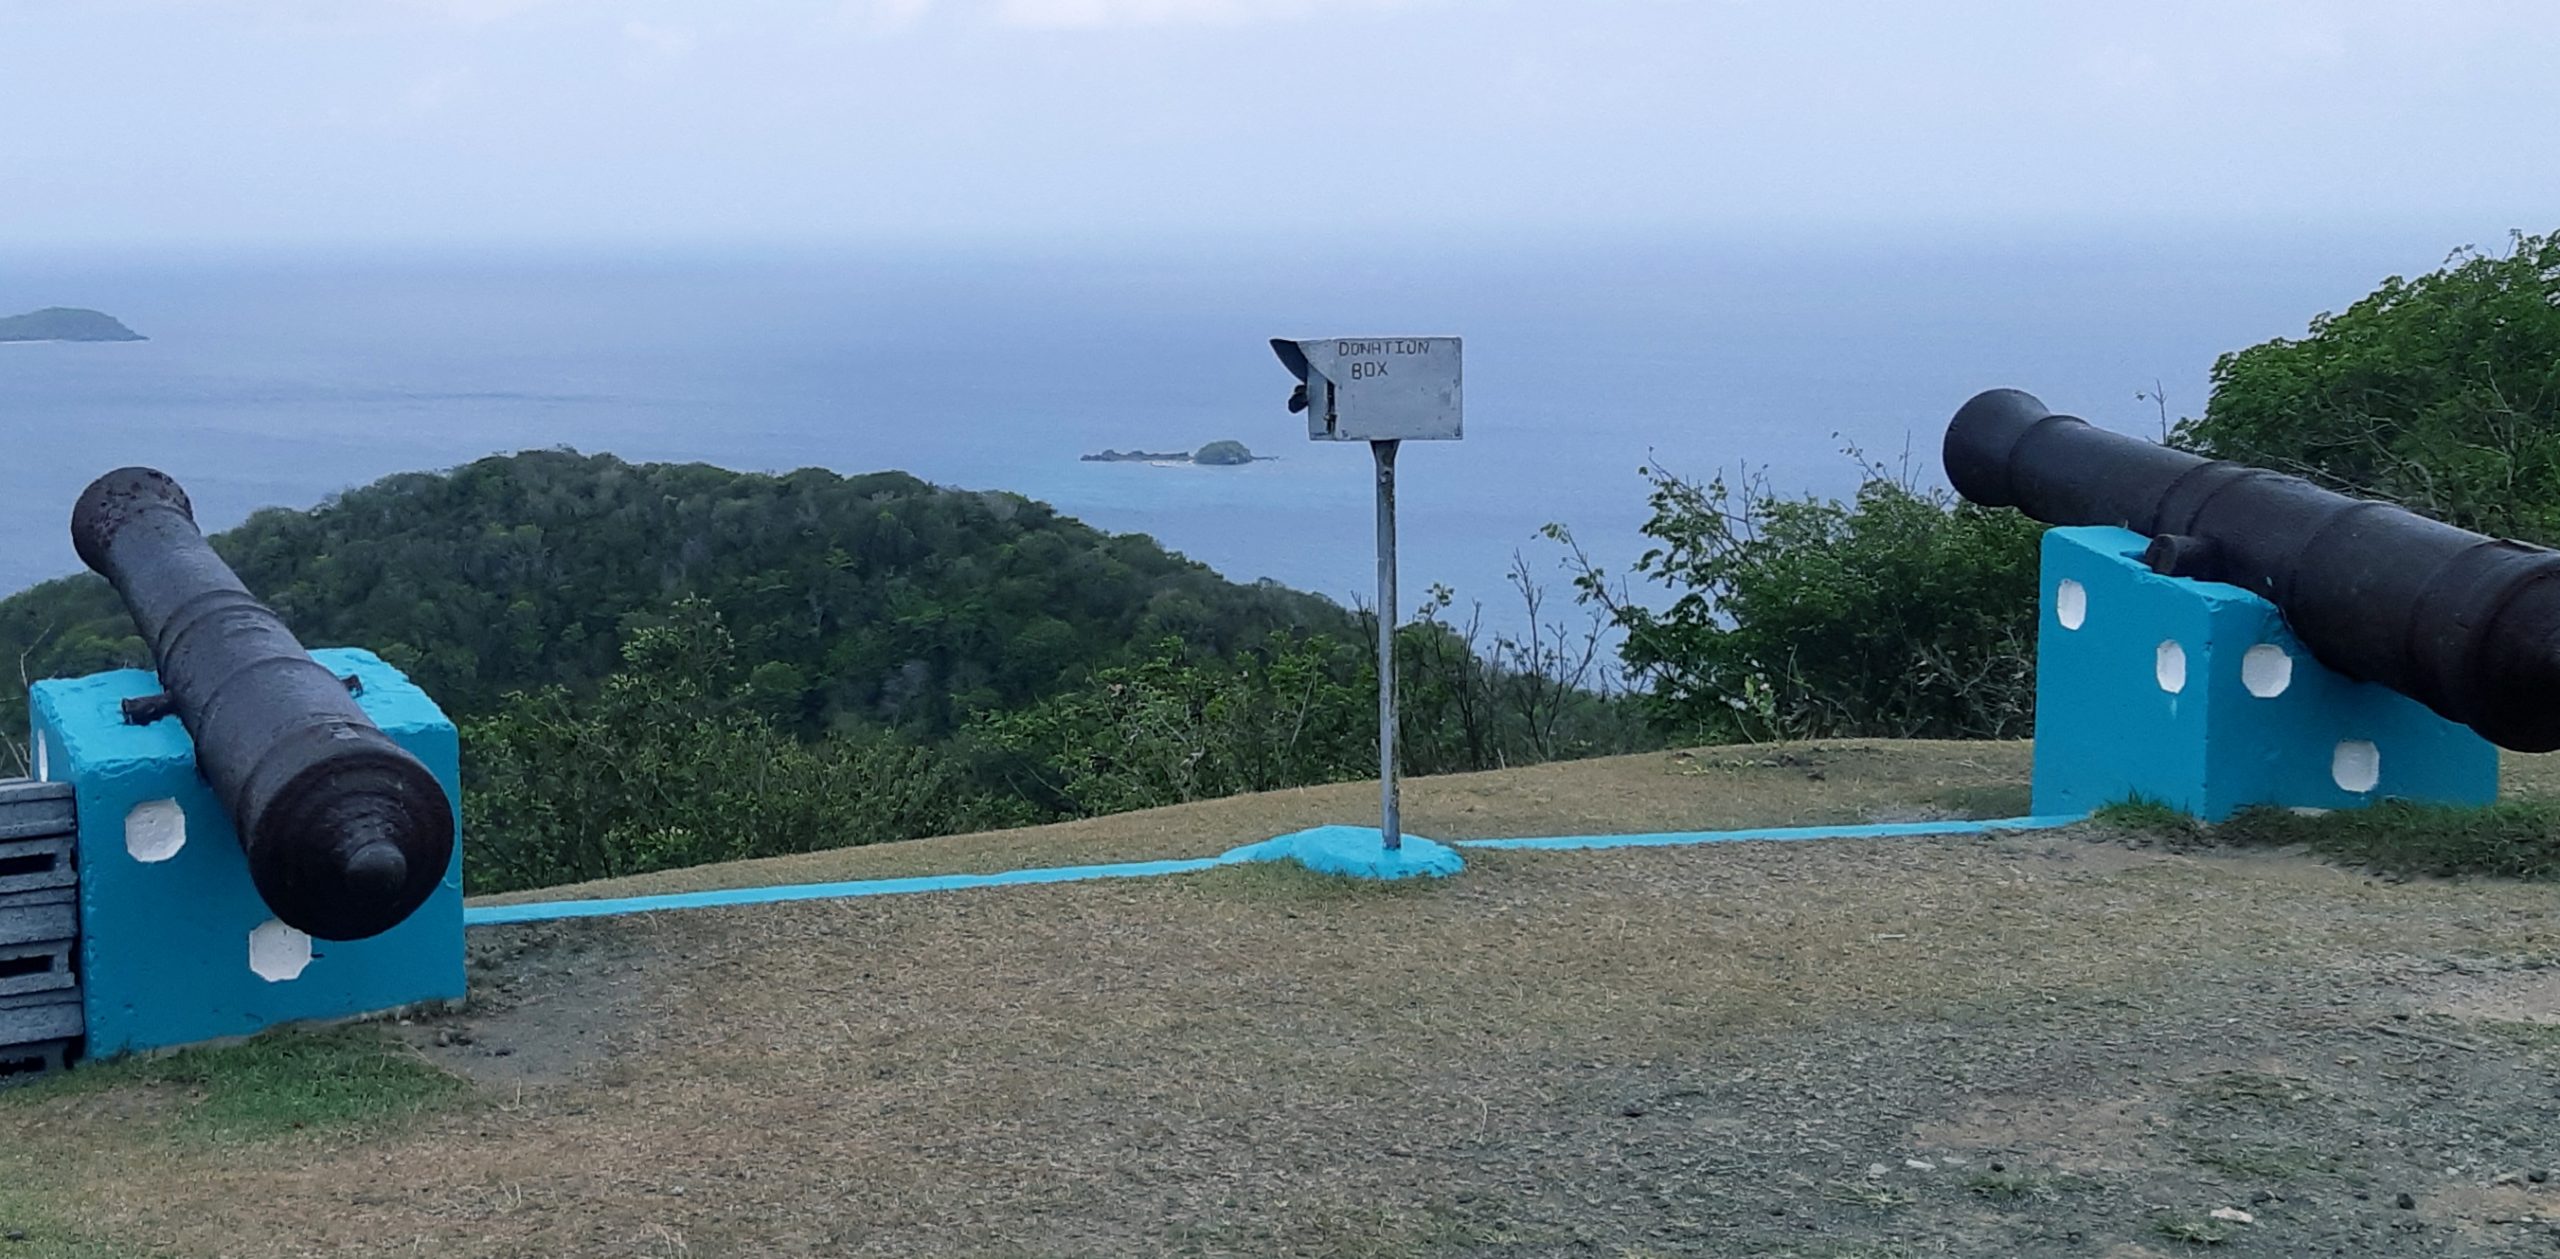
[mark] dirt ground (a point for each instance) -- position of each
(2056, 1043)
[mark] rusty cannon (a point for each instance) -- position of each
(2467, 625)
(346, 833)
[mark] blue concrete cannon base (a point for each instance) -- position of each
(175, 946)
(2195, 694)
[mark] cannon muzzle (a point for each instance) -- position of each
(345, 831)
(2467, 625)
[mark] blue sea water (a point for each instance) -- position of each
(280, 379)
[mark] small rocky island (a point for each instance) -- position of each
(1222, 454)
(65, 323)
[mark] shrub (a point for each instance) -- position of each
(1901, 613)
(1170, 729)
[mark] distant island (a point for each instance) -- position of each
(1215, 455)
(65, 323)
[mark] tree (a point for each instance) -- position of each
(2440, 393)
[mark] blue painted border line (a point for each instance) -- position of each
(1872, 830)
(545, 911)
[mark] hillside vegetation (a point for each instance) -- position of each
(2440, 393)
(661, 665)
(863, 600)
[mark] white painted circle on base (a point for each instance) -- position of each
(155, 830)
(278, 953)
(2169, 664)
(2266, 670)
(2071, 604)
(2356, 766)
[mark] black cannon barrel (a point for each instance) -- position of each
(346, 832)
(2467, 625)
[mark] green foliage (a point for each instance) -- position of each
(2515, 839)
(1170, 729)
(2148, 816)
(1301, 710)
(2440, 393)
(673, 763)
(864, 602)
(1902, 613)
(289, 1080)
(1222, 454)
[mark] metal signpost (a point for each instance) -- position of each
(1383, 391)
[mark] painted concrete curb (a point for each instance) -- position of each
(1780, 834)
(1356, 852)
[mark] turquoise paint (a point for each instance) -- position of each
(2106, 729)
(545, 911)
(1328, 849)
(1357, 852)
(1268, 850)
(1780, 834)
(164, 953)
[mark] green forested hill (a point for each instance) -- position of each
(874, 600)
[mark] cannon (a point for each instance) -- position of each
(345, 832)
(2467, 625)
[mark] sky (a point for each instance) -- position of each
(187, 123)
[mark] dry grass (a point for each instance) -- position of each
(1636, 1052)
(1699, 789)
(2520, 774)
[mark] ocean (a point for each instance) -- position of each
(279, 379)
